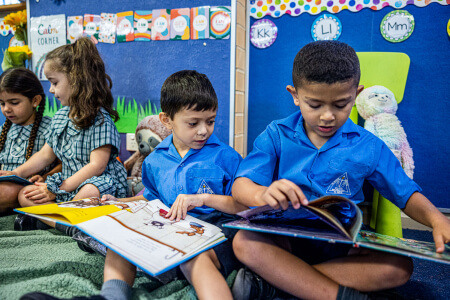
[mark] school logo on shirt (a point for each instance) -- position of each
(339, 186)
(204, 188)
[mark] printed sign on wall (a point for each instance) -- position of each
(125, 26)
(107, 29)
(179, 24)
(161, 24)
(143, 25)
(200, 22)
(263, 33)
(326, 27)
(74, 28)
(46, 34)
(397, 26)
(220, 22)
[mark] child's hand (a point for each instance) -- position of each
(281, 192)
(39, 193)
(108, 197)
(6, 173)
(36, 178)
(183, 204)
(441, 234)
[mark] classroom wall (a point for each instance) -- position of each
(425, 107)
(138, 69)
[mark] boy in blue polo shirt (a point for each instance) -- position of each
(315, 152)
(191, 170)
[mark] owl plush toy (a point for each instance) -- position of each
(149, 133)
(377, 105)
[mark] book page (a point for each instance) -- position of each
(340, 212)
(77, 211)
(402, 246)
(326, 217)
(146, 238)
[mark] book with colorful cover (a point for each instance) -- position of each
(75, 211)
(74, 28)
(107, 32)
(15, 179)
(161, 24)
(220, 22)
(334, 219)
(125, 26)
(143, 25)
(91, 26)
(137, 230)
(179, 24)
(200, 22)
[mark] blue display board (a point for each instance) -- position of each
(425, 106)
(138, 69)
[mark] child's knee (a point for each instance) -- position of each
(398, 269)
(88, 190)
(8, 196)
(243, 247)
(206, 258)
(405, 269)
(24, 201)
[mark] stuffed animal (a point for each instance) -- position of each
(149, 133)
(377, 105)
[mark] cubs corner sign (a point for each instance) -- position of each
(46, 34)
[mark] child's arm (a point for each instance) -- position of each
(422, 210)
(277, 195)
(184, 203)
(39, 178)
(37, 162)
(98, 161)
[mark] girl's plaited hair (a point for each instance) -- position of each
(22, 81)
(91, 86)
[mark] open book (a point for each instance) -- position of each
(332, 219)
(15, 179)
(138, 230)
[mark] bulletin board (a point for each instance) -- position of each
(138, 69)
(425, 108)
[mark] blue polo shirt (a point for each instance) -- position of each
(351, 155)
(211, 170)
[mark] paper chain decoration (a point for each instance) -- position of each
(277, 8)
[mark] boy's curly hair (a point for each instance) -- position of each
(91, 86)
(24, 82)
(326, 62)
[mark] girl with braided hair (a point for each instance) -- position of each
(22, 102)
(82, 134)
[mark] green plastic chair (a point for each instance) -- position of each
(389, 69)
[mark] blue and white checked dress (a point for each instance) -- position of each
(15, 149)
(73, 147)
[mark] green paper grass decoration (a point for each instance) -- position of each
(130, 113)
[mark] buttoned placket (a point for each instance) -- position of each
(182, 161)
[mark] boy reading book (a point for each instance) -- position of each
(315, 152)
(191, 170)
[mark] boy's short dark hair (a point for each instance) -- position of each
(187, 89)
(325, 62)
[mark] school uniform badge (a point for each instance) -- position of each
(340, 186)
(204, 188)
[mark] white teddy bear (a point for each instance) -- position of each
(377, 105)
